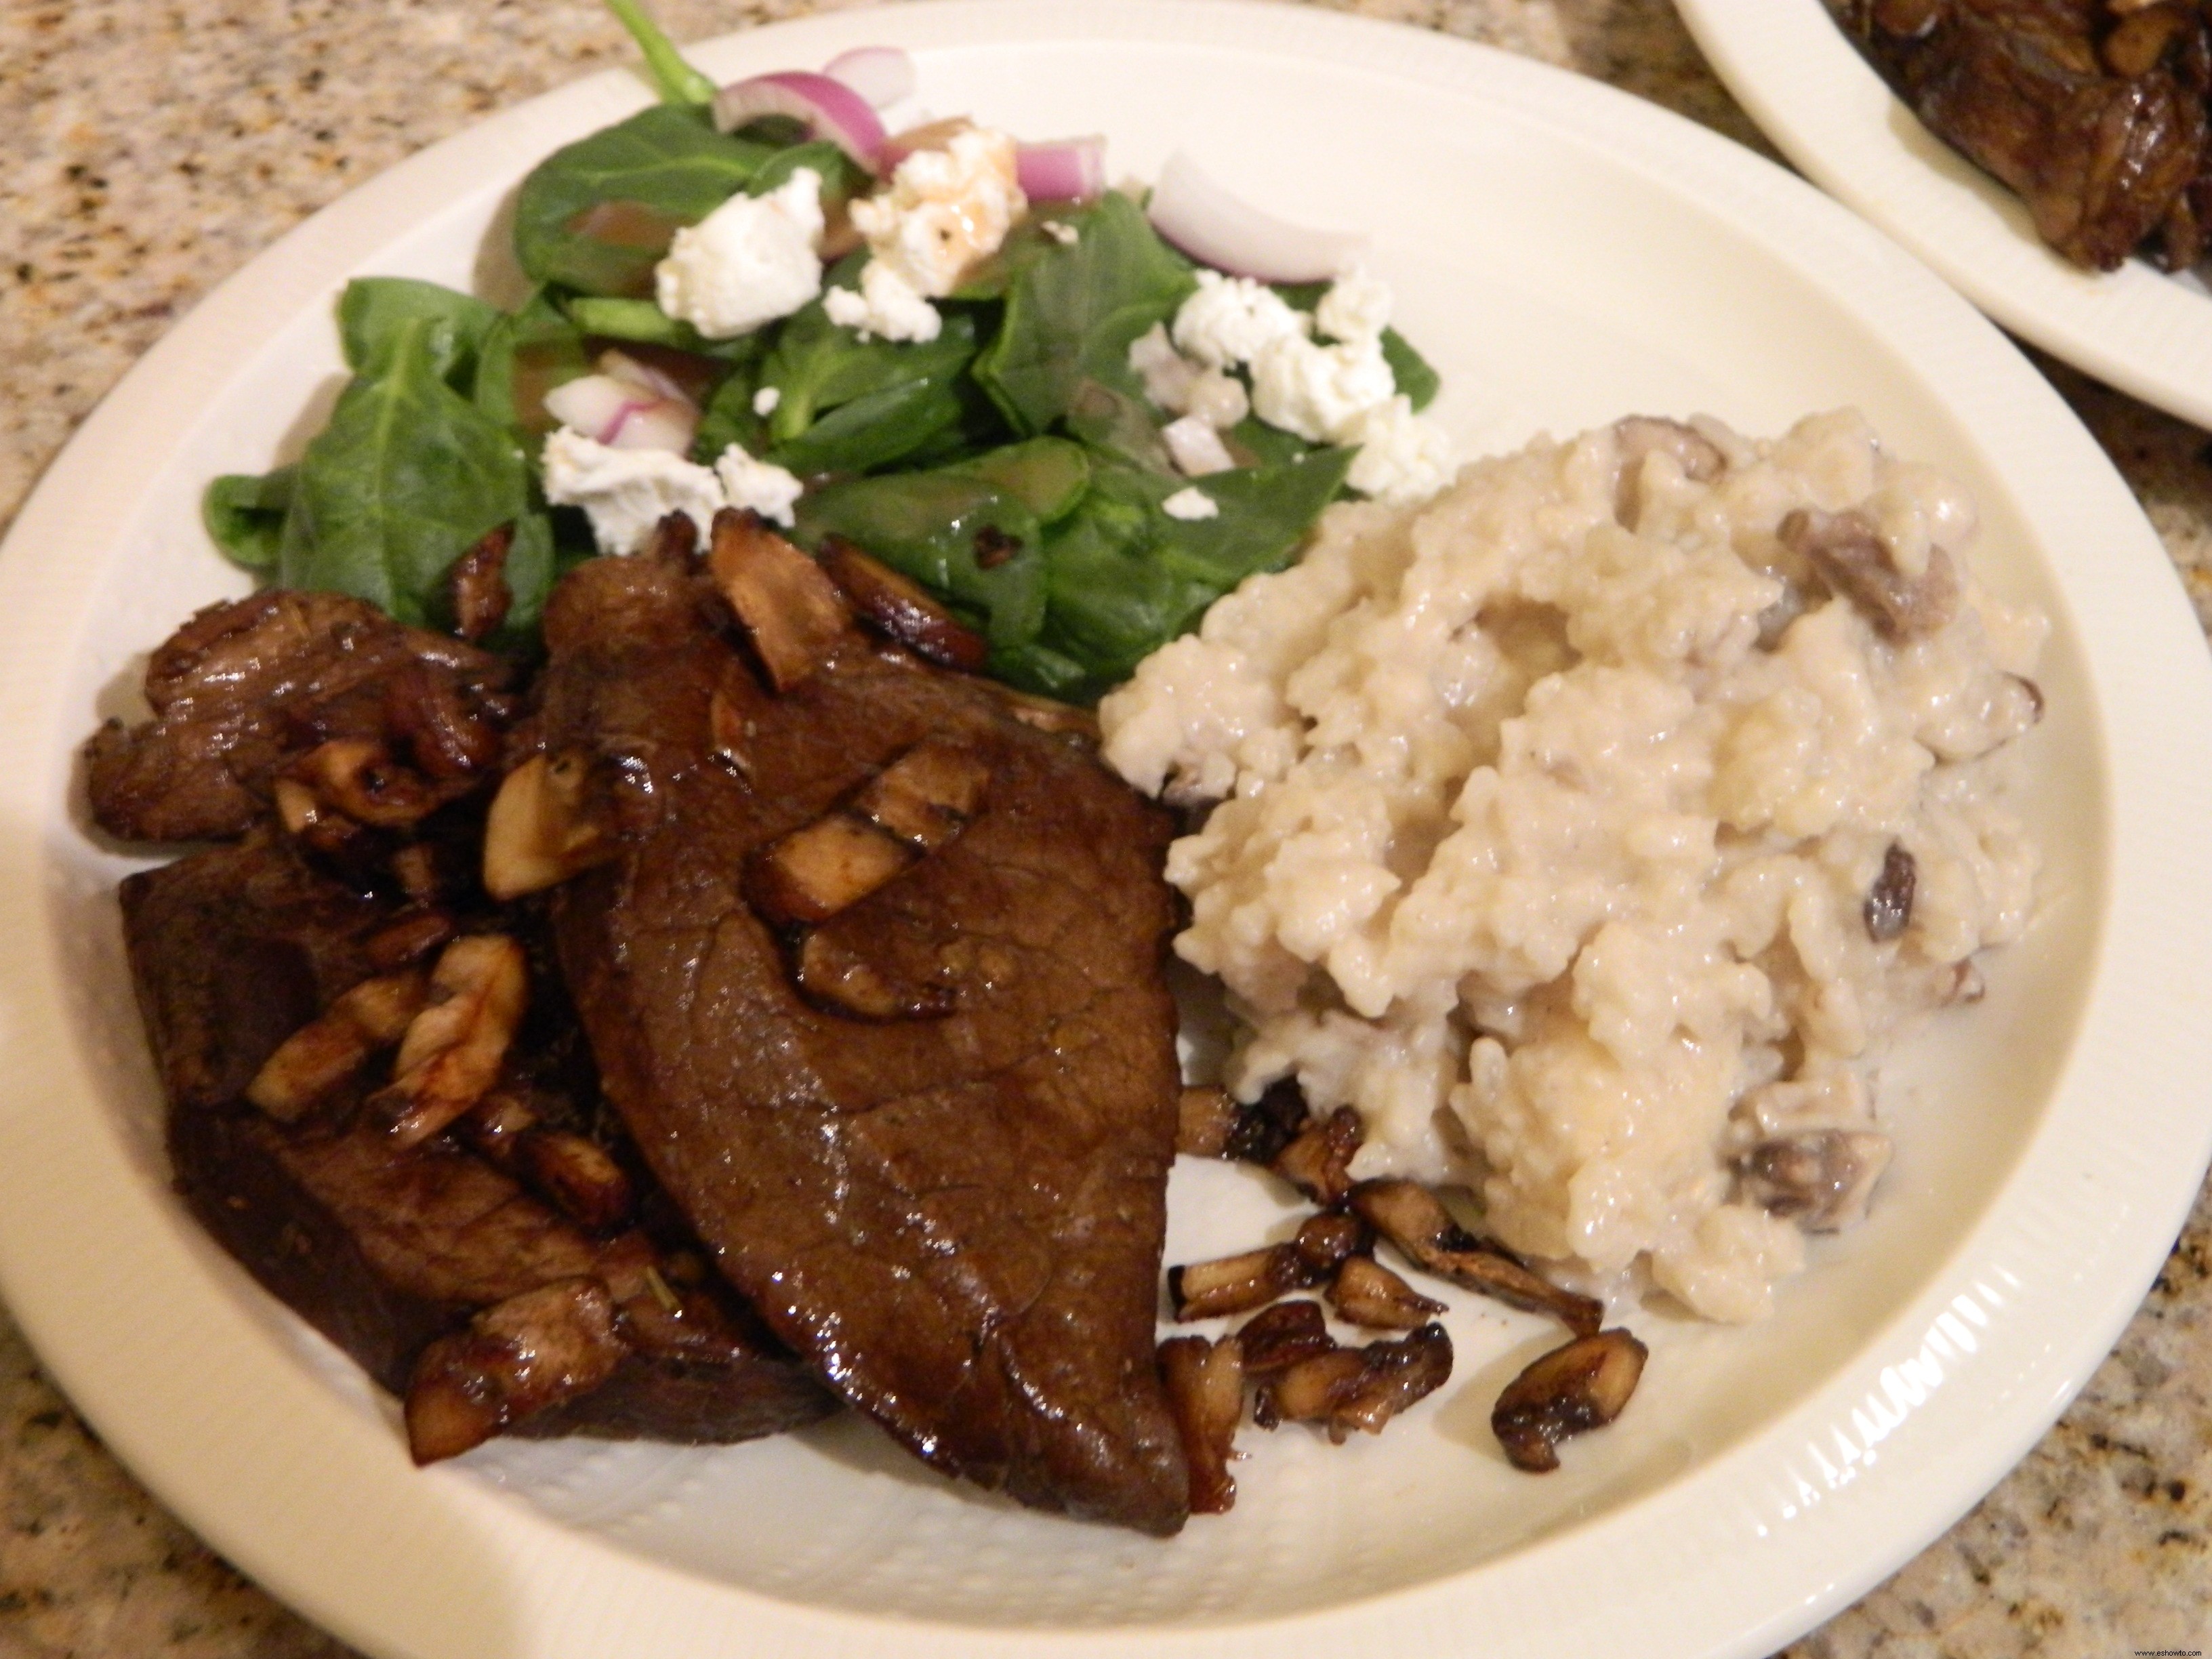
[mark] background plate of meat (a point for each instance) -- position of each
(2135, 326)
(1567, 255)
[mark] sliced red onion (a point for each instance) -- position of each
(1067, 170)
(882, 75)
(829, 109)
(1216, 229)
(652, 381)
(623, 415)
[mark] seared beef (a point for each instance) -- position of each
(383, 1251)
(957, 1215)
(244, 686)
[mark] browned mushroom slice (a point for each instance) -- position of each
(517, 1357)
(834, 977)
(1277, 1338)
(1062, 719)
(451, 1055)
(911, 807)
(1888, 908)
(1569, 1391)
(496, 1125)
(792, 612)
(1360, 1388)
(927, 795)
(408, 938)
(1205, 1115)
(538, 832)
(2134, 48)
(336, 1043)
(811, 874)
(1238, 1283)
(584, 1182)
(902, 610)
(1318, 1162)
(1206, 1391)
(359, 777)
(478, 584)
(1823, 1177)
(1413, 1219)
(1849, 552)
(1326, 1240)
(1269, 1124)
(1638, 437)
(1365, 1292)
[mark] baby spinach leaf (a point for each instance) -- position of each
(842, 178)
(1265, 512)
(406, 477)
(372, 309)
(676, 81)
(816, 364)
(729, 418)
(598, 215)
(245, 515)
(1072, 310)
(975, 545)
(525, 354)
(874, 430)
(1047, 475)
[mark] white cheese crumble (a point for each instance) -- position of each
(1062, 233)
(1195, 448)
(625, 492)
(887, 306)
(766, 400)
(1336, 389)
(1191, 504)
(761, 487)
(944, 209)
(751, 260)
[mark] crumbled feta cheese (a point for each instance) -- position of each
(1231, 319)
(1319, 392)
(1195, 446)
(1402, 457)
(1181, 386)
(1062, 233)
(751, 260)
(887, 306)
(944, 209)
(625, 492)
(1356, 308)
(760, 486)
(1191, 504)
(766, 400)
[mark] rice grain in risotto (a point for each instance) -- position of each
(1594, 827)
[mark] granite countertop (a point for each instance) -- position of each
(147, 150)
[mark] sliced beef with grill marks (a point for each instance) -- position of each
(385, 1251)
(958, 1215)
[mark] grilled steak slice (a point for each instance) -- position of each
(245, 684)
(385, 1251)
(956, 1214)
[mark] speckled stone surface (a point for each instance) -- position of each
(148, 148)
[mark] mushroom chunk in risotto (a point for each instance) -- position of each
(1594, 828)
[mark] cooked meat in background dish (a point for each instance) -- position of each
(2093, 111)
(954, 1206)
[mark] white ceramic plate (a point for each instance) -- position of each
(2147, 333)
(1566, 254)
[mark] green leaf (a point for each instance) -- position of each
(1071, 311)
(1047, 475)
(407, 476)
(245, 515)
(875, 430)
(598, 215)
(373, 308)
(971, 543)
(676, 81)
(842, 178)
(526, 353)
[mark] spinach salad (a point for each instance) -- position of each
(1013, 465)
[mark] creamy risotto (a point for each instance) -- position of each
(1594, 828)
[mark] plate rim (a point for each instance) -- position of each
(1826, 108)
(538, 1552)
